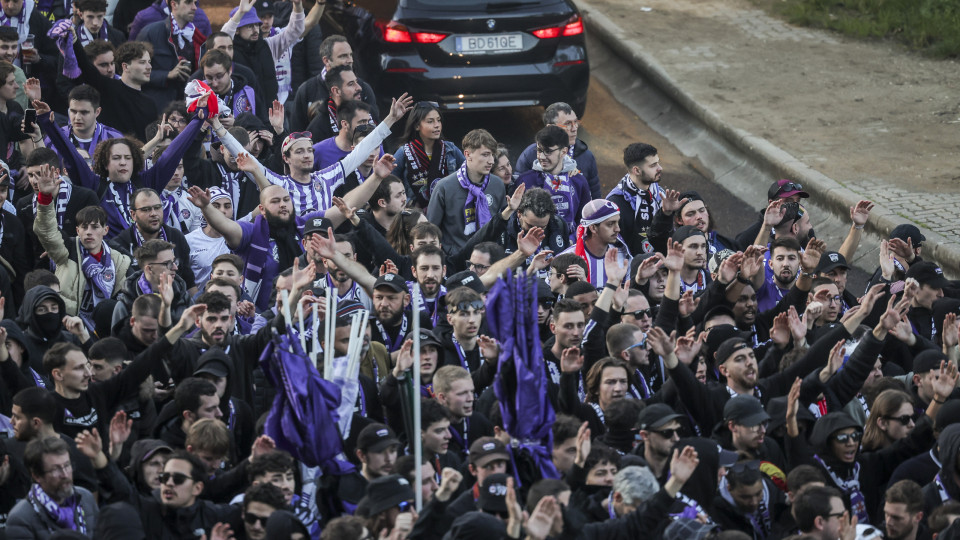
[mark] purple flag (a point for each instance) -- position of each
(521, 383)
(303, 418)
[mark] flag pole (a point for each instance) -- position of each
(415, 436)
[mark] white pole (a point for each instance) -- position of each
(327, 334)
(415, 436)
(303, 337)
(315, 344)
(285, 296)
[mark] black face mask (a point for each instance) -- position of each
(49, 324)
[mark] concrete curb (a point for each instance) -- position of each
(833, 195)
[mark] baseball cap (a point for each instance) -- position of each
(684, 232)
(783, 188)
(656, 415)
(392, 281)
(726, 458)
(908, 230)
(690, 196)
(376, 438)
(317, 225)
(487, 449)
(928, 273)
(717, 258)
(213, 362)
(427, 337)
(544, 293)
(386, 492)
(928, 360)
(265, 7)
(493, 494)
(745, 410)
(831, 260)
(467, 278)
(729, 347)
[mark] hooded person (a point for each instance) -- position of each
(119, 521)
(860, 476)
(44, 325)
(143, 471)
(697, 494)
(15, 372)
(284, 524)
(946, 485)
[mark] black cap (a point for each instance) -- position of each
(487, 449)
(265, 7)
(690, 196)
(468, 279)
(544, 293)
(783, 188)
(427, 337)
(949, 413)
(928, 273)
(908, 230)
(684, 232)
(656, 415)
(493, 494)
(214, 362)
(376, 438)
(386, 492)
(317, 225)
(745, 411)
(831, 260)
(791, 212)
(392, 281)
(729, 347)
(928, 360)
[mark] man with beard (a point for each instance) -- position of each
(903, 511)
(659, 430)
(787, 219)
(562, 115)
(146, 212)
(638, 195)
(351, 114)
(628, 343)
(567, 326)
(687, 208)
(784, 263)
(159, 264)
(637, 311)
(744, 431)
(598, 232)
(535, 209)
(344, 85)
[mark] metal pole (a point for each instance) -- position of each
(415, 436)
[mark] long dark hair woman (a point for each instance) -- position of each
(425, 157)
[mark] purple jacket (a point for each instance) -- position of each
(155, 13)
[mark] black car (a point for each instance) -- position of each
(484, 54)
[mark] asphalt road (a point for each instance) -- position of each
(607, 127)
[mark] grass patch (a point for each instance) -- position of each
(931, 27)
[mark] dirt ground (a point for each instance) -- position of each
(870, 115)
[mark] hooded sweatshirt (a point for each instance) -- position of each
(946, 485)
(698, 493)
(43, 331)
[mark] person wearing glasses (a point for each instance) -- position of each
(177, 511)
(158, 276)
(232, 88)
(92, 272)
(147, 213)
(260, 501)
(659, 430)
(556, 172)
(891, 419)
(563, 115)
(744, 430)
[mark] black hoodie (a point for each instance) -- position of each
(12, 378)
(37, 340)
(949, 476)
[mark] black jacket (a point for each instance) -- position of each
(36, 341)
(314, 89)
(16, 251)
(131, 291)
(256, 55)
(126, 243)
(176, 524)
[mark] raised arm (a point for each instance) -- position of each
(230, 229)
(77, 167)
(359, 195)
(327, 248)
(527, 245)
(313, 18)
(291, 32)
(358, 155)
(45, 225)
(859, 215)
(162, 171)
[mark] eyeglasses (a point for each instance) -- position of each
(177, 120)
(171, 264)
(666, 433)
(148, 209)
(844, 437)
(789, 186)
(251, 519)
(741, 466)
(476, 267)
(544, 152)
(641, 313)
(464, 306)
(178, 478)
(905, 419)
(570, 124)
(547, 304)
(61, 470)
(836, 515)
(833, 299)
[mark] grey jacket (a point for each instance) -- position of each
(24, 523)
(446, 209)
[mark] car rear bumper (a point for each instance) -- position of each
(565, 77)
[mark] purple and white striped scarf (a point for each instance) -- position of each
(101, 278)
(63, 198)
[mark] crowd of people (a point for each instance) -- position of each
(175, 200)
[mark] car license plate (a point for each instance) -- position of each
(490, 44)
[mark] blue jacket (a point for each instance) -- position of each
(421, 194)
(581, 154)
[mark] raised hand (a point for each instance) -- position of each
(684, 463)
(399, 107)
(246, 163)
(489, 348)
(221, 531)
(165, 289)
(901, 249)
(688, 304)
(388, 267)
(793, 398)
(811, 255)
(199, 197)
(513, 201)
(774, 213)
(727, 271)
(950, 334)
(32, 89)
(944, 385)
(541, 521)
(48, 180)
(75, 326)
(614, 267)
(752, 261)
(514, 510)
(326, 247)
(674, 258)
(870, 298)
(886, 260)
(262, 445)
(4, 353)
(903, 330)
(687, 348)
(303, 277)
(540, 261)
(190, 316)
(275, 115)
(404, 358)
(583, 444)
(860, 213)
(835, 360)
(246, 308)
(893, 315)
(42, 109)
(648, 268)
(911, 288)
(811, 314)
(780, 333)
(660, 342)
(384, 166)
(576, 272)
(89, 443)
(570, 360)
(671, 202)
(450, 479)
(348, 211)
(529, 243)
(621, 294)
(119, 429)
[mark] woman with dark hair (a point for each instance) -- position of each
(399, 232)
(425, 157)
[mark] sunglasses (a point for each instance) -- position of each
(790, 186)
(640, 343)
(666, 433)
(301, 135)
(547, 304)
(178, 478)
(251, 519)
(464, 306)
(641, 313)
(905, 419)
(742, 466)
(844, 437)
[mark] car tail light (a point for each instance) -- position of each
(428, 37)
(573, 27)
(395, 32)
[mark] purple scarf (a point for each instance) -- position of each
(69, 515)
(476, 212)
(145, 287)
(63, 198)
(23, 19)
(118, 209)
(101, 275)
(60, 32)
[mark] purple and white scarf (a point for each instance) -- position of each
(23, 20)
(69, 515)
(86, 37)
(63, 198)
(476, 212)
(101, 278)
(118, 195)
(184, 35)
(138, 238)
